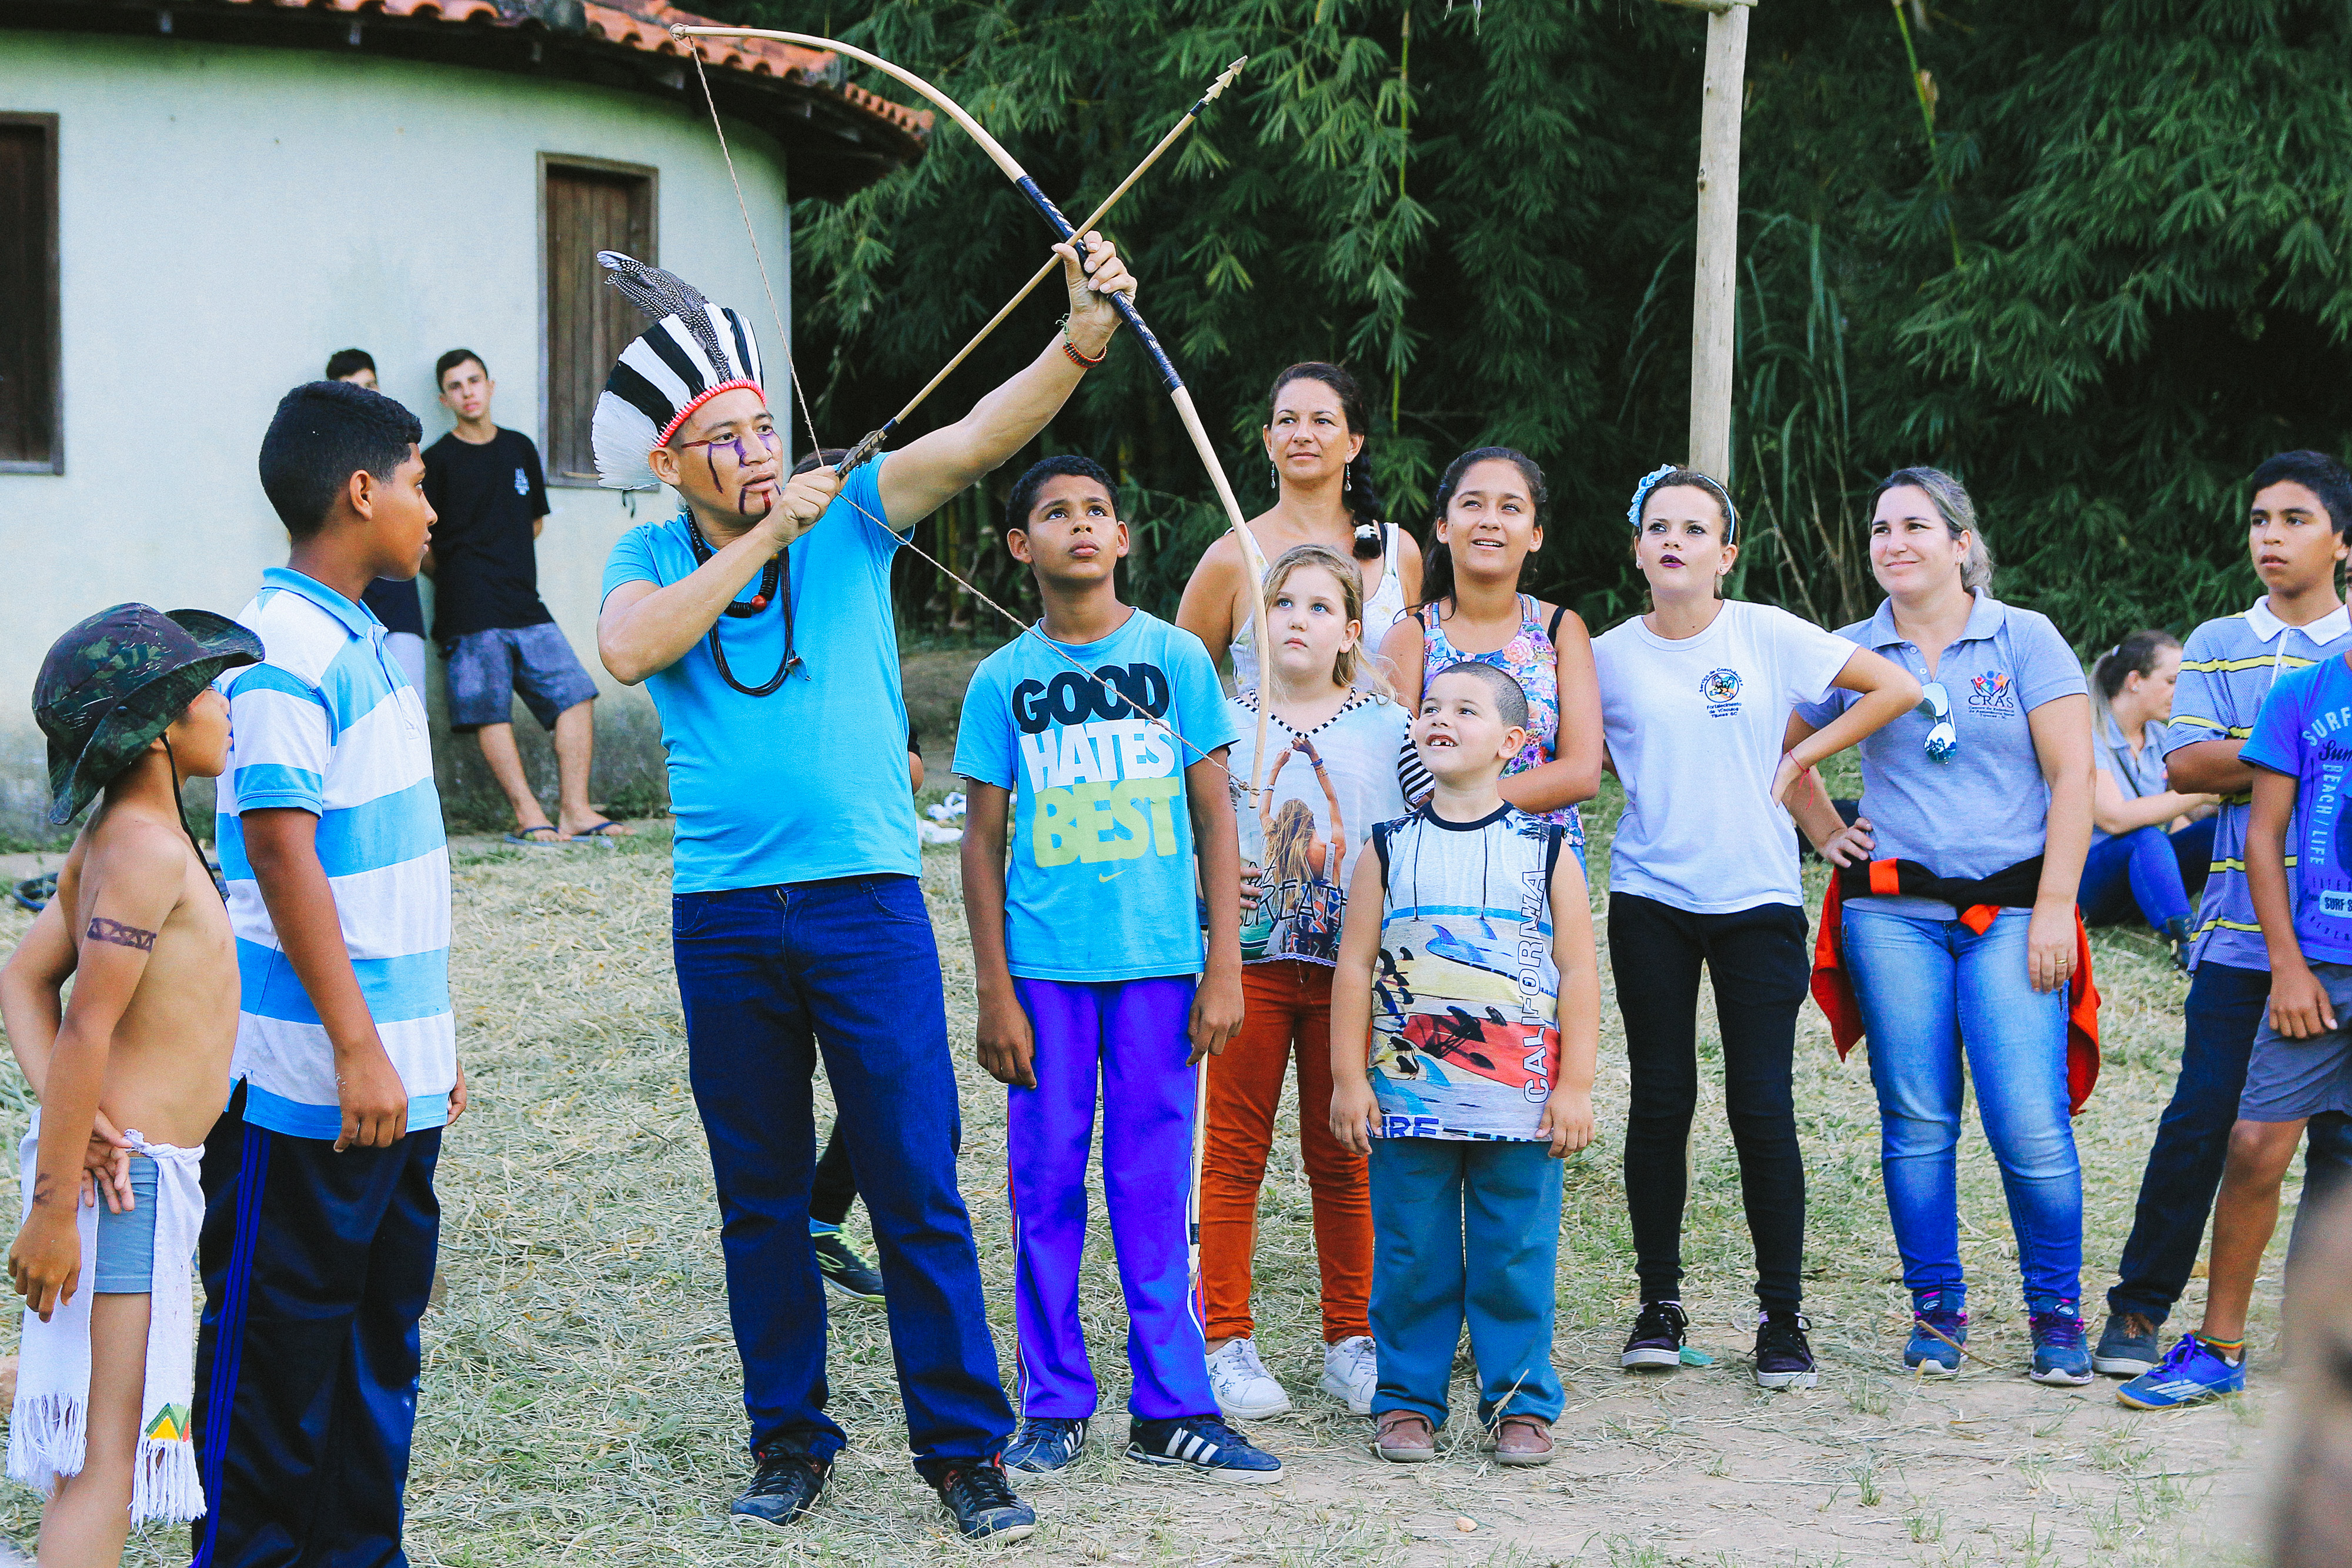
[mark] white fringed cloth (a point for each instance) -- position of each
(49, 1426)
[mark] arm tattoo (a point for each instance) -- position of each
(102, 929)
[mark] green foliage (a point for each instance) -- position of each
(1488, 218)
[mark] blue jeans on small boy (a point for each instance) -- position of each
(770, 978)
(2226, 1005)
(2143, 870)
(1935, 993)
(1132, 1037)
(1464, 1229)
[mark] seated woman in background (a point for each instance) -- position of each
(2149, 842)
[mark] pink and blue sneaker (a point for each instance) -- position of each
(1937, 1353)
(2061, 1354)
(2191, 1373)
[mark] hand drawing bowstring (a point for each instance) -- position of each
(1255, 559)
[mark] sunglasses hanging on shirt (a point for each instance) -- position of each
(1943, 740)
(775, 587)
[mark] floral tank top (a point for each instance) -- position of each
(1530, 658)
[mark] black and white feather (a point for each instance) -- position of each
(694, 351)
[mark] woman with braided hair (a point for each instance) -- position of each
(1314, 434)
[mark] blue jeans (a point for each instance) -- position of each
(1933, 994)
(2143, 870)
(2192, 1144)
(769, 978)
(1440, 1206)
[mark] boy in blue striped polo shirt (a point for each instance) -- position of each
(320, 1225)
(2296, 538)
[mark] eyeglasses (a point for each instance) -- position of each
(765, 436)
(1943, 740)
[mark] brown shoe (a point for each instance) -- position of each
(1404, 1438)
(1522, 1440)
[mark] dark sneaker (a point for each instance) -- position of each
(984, 1504)
(1657, 1337)
(1044, 1443)
(844, 1270)
(784, 1489)
(1938, 1332)
(1203, 1445)
(2060, 1355)
(2128, 1346)
(1784, 1359)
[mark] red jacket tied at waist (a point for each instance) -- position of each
(1833, 983)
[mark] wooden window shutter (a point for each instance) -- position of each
(589, 207)
(32, 439)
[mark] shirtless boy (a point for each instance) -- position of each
(131, 1074)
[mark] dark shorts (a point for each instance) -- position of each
(2289, 1079)
(126, 1241)
(487, 669)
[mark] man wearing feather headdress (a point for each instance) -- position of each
(760, 619)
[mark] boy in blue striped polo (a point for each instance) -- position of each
(2296, 537)
(320, 1225)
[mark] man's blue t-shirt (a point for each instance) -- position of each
(1100, 883)
(810, 782)
(2304, 731)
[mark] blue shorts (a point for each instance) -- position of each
(487, 669)
(2290, 1080)
(126, 1242)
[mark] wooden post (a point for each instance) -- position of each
(1715, 288)
(1715, 285)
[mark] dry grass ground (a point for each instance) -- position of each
(580, 1399)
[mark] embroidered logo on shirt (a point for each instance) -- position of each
(1720, 689)
(1992, 692)
(522, 484)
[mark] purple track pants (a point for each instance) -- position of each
(1133, 1036)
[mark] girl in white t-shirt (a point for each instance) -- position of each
(1331, 739)
(1695, 703)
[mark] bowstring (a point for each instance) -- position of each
(791, 368)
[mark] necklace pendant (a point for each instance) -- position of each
(759, 601)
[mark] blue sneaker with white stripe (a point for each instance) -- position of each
(1203, 1445)
(2191, 1373)
(1044, 1443)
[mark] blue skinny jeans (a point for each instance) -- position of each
(2144, 870)
(1941, 1004)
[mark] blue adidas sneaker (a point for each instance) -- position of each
(1044, 1443)
(2191, 1373)
(1203, 1445)
(2061, 1354)
(1926, 1354)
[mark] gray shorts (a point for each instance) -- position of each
(126, 1242)
(487, 669)
(2288, 1080)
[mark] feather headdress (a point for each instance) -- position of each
(692, 352)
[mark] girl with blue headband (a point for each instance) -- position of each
(1696, 699)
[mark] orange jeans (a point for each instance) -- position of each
(1285, 1002)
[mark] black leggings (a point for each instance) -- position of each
(834, 1188)
(1756, 957)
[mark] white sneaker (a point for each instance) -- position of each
(1245, 1389)
(1352, 1373)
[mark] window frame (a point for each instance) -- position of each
(52, 299)
(550, 164)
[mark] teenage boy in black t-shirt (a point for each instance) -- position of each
(393, 599)
(486, 485)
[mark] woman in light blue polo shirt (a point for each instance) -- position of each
(1987, 786)
(2148, 840)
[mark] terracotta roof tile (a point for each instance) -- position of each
(646, 26)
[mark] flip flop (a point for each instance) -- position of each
(607, 831)
(549, 843)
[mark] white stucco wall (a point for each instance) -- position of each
(228, 216)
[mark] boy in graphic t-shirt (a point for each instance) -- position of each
(1093, 745)
(2297, 845)
(486, 485)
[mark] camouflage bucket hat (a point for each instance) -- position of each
(117, 680)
